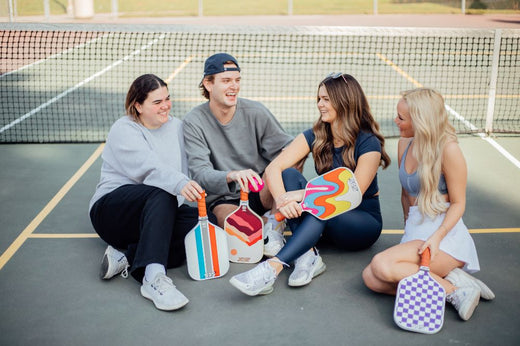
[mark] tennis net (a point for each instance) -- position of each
(67, 82)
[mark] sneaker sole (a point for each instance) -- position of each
(321, 269)
(238, 285)
(485, 292)
(145, 294)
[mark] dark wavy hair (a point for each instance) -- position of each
(354, 115)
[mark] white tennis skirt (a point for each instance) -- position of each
(457, 243)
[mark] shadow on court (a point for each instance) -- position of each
(51, 293)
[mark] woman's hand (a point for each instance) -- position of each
(287, 203)
(291, 196)
(192, 191)
(433, 243)
(291, 210)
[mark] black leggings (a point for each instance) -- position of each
(147, 223)
(355, 230)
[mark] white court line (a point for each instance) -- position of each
(488, 139)
(57, 55)
(80, 84)
(450, 110)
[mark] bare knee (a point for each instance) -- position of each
(377, 275)
(381, 267)
(368, 277)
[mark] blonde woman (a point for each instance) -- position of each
(433, 175)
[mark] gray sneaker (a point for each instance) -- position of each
(114, 262)
(259, 280)
(465, 300)
(163, 293)
(307, 266)
(459, 278)
(274, 240)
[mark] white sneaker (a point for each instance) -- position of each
(459, 278)
(274, 239)
(306, 267)
(259, 280)
(163, 293)
(113, 263)
(465, 300)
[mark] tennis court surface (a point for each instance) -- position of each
(60, 101)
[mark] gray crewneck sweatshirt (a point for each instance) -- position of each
(251, 140)
(134, 154)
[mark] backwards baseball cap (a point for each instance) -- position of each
(215, 64)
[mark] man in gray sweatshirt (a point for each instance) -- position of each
(229, 143)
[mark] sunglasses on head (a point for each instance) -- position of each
(336, 75)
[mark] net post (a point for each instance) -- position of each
(493, 81)
(11, 11)
(47, 10)
(375, 7)
(115, 9)
(289, 7)
(463, 6)
(201, 8)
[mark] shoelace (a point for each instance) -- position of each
(306, 261)
(162, 283)
(124, 273)
(266, 273)
(454, 299)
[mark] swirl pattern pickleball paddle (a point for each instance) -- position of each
(244, 229)
(420, 300)
(330, 194)
(206, 247)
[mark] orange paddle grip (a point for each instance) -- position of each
(425, 258)
(201, 205)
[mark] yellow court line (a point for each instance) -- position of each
(63, 235)
(495, 230)
(179, 69)
(18, 242)
(399, 70)
(286, 233)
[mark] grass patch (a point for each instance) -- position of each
(155, 8)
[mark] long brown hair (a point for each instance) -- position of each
(353, 115)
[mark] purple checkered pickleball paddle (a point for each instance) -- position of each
(420, 301)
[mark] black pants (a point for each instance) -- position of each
(146, 223)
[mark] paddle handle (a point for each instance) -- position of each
(201, 204)
(244, 196)
(425, 258)
(279, 216)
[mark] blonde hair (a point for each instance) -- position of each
(432, 130)
(354, 115)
